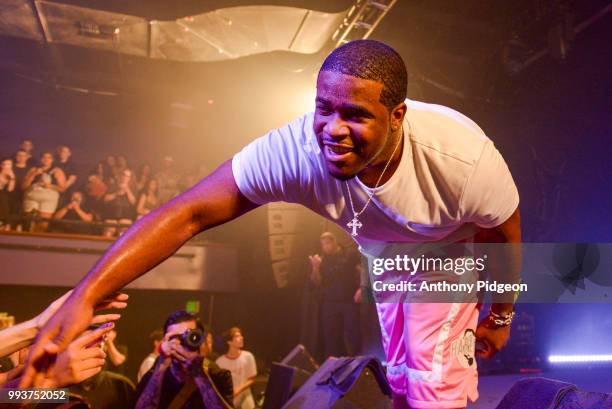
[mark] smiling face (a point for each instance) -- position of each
(354, 129)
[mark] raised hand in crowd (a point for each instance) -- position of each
(115, 356)
(82, 359)
(21, 335)
(15, 338)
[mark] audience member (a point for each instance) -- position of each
(7, 187)
(111, 162)
(20, 169)
(106, 390)
(42, 186)
(64, 162)
(148, 199)
(144, 175)
(27, 146)
(120, 204)
(242, 365)
(337, 275)
(75, 211)
(168, 180)
(209, 344)
(6, 363)
(183, 376)
(116, 353)
(96, 188)
(156, 338)
(20, 166)
(45, 191)
(83, 358)
(193, 176)
(104, 173)
(121, 164)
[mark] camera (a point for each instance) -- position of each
(190, 339)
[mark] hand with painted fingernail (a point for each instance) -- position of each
(81, 360)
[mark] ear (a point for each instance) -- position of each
(397, 116)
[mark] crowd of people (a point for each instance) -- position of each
(181, 371)
(44, 191)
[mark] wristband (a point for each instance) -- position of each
(501, 320)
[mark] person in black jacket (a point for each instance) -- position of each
(183, 376)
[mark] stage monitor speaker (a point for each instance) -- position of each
(284, 381)
(345, 383)
(536, 393)
(365, 394)
(288, 376)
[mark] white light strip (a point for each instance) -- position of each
(579, 358)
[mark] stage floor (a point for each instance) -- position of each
(492, 388)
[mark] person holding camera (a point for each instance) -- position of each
(75, 211)
(183, 377)
(120, 204)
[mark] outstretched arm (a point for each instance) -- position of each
(505, 267)
(155, 237)
(152, 239)
(21, 335)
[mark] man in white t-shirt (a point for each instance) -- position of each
(242, 365)
(147, 363)
(387, 170)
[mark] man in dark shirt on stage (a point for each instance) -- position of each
(336, 272)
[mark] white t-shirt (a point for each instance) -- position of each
(146, 364)
(450, 177)
(242, 368)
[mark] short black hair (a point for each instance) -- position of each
(183, 316)
(372, 60)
